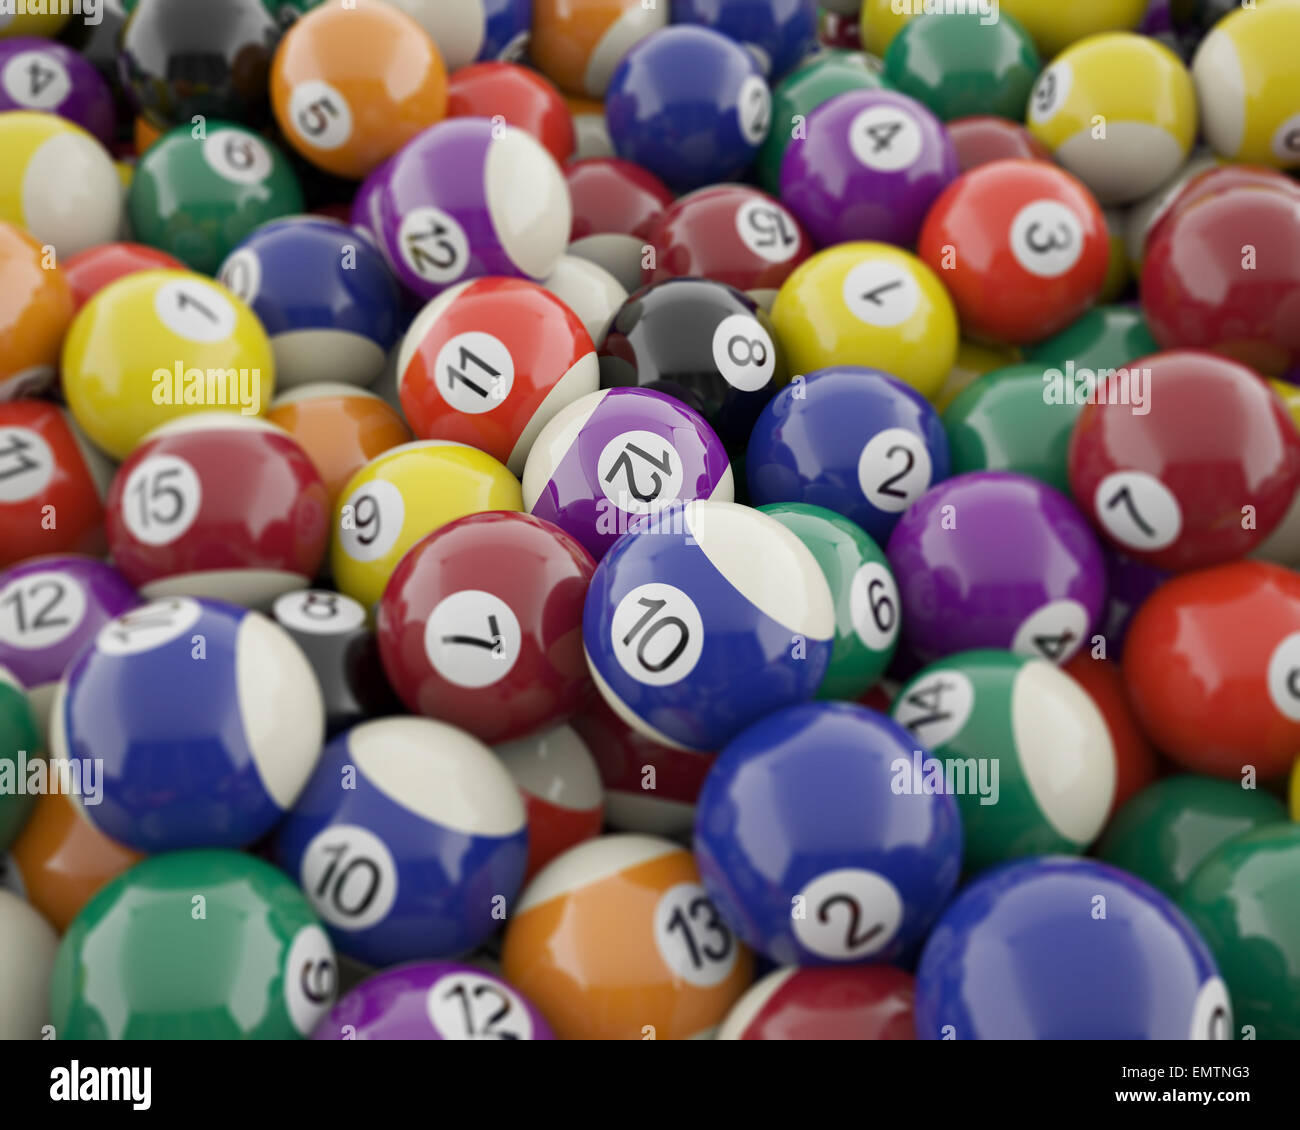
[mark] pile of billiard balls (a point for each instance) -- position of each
(594, 519)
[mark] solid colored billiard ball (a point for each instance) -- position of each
(562, 793)
(212, 705)
(704, 619)
(616, 207)
(997, 560)
(89, 271)
(617, 940)
(30, 946)
(992, 712)
(422, 856)
(1212, 180)
(490, 362)
(1200, 479)
(433, 1000)
(227, 507)
(340, 427)
(1055, 26)
(1128, 584)
(1067, 949)
(1142, 217)
(1149, 119)
(578, 43)
(157, 345)
(614, 456)
(52, 484)
(856, 441)
(449, 207)
(690, 105)
(22, 742)
(38, 308)
(198, 197)
(810, 850)
(778, 33)
(703, 342)
(980, 140)
(37, 74)
(879, 21)
(853, 1002)
(325, 297)
(481, 625)
(518, 97)
(38, 150)
(141, 963)
(1022, 247)
(1212, 697)
(1106, 337)
(868, 301)
(351, 86)
(590, 291)
(473, 30)
(866, 598)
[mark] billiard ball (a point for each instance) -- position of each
(729, 233)
(22, 743)
(778, 33)
(402, 495)
(617, 940)
(89, 271)
(38, 307)
(157, 345)
(856, 441)
(211, 704)
(326, 299)
(614, 456)
(1128, 584)
(1199, 485)
(33, 21)
(1213, 698)
(578, 43)
(591, 134)
(704, 619)
(868, 300)
(866, 597)
(1067, 949)
(1248, 86)
(1283, 544)
(703, 342)
(973, 361)
(836, 31)
(1148, 121)
(1106, 337)
(879, 21)
(198, 197)
(473, 30)
(1056, 26)
(562, 793)
(590, 291)
(981, 139)
(340, 427)
(1172, 826)
(38, 150)
(818, 842)
(480, 625)
(490, 362)
(50, 608)
(690, 105)
(30, 945)
(52, 484)
(1244, 901)
(849, 1002)
(1021, 246)
(616, 207)
(1034, 754)
(37, 74)
(351, 86)
(1142, 217)
(1217, 178)
(649, 787)
(449, 208)
(141, 962)
(422, 856)
(992, 559)
(518, 97)
(433, 1000)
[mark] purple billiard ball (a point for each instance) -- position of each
(868, 166)
(39, 74)
(50, 608)
(997, 560)
(433, 1000)
(471, 197)
(615, 456)
(1129, 583)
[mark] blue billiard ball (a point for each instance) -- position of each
(410, 841)
(778, 33)
(818, 842)
(325, 296)
(1058, 948)
(689, 105)
(194, 724)
(856, 441)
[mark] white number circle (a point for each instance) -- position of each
(26, 464)
(937, 709)
(149, 627)
(238, 157)
(657, 634)
(473, 638)
(40, 611)
(349, 875)
(311, 978)
(885, 138)
(640, 472)
(320, 115)
(881, 293)
(894, 470)
(36, 79)
(1286, 141)
(1050, 92)
(241, 274)
(1047, 238)
(1284, 677)
(1138, 510)
(195, 311)
(754, 109)
(372, 520)
(318, 612)
(743, 353)
(691, 937)
(161, 499)
(848, 914)
(1212, 1013)
(475, 372)
(873, 606)
(433, 245)
(768, 230)
(471, 1006)
(1054, 632)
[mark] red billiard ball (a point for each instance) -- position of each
(1199, 474)
(221, 506)
(616, 205)
(1216, 179)
(480, 625)
(89, 271)
(982, 139)
(1021, 246)
(519, 97)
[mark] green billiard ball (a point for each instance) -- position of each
(195, 945)
(1107, 337)
(19, 743)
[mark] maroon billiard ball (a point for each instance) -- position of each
(518, 97)
(616, 205)
(984, 138)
